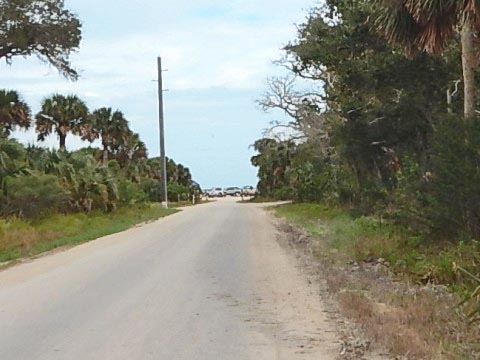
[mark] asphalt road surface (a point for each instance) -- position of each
(210, 282)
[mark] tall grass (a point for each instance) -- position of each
(21, 238)
(371, 238)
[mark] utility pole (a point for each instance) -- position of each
(163, 160)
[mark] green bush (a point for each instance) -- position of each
(33, 195)
(177, 192)
(93, 188)
(131, 193)
(152, 189)
(284, 193)
(455, 195)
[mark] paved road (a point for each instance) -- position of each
(210, 282)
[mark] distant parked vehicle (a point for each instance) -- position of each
(249, 191)
(216, 192)
(232, 191)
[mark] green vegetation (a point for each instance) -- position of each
(383, 131)
(62, 115)
(51, 198)
(356, 252)
(368, 238)
(43, 28)
(428, 25)
(21, 237)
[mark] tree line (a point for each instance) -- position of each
(35, 180)
(388, 125)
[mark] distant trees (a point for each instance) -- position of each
(43, 28)
(176, 173)
(273, 161)
(180, 184)
(62, 115)
(34, 180)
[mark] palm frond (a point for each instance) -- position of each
(422, 25)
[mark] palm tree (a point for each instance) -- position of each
(428, 25)
(273, 162)
(62, 115)
(135, 147)
(111, 127)
(13, 112)
(172, 170)
(132, 148)
(139, 149)
(12, 161)
(184, 175)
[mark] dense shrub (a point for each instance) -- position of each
(178, 192)
(152, 189)
(455, 194)
(131, 193)
(32, 195)
(283, 193)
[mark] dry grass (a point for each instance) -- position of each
(402, 331)
(412, 321)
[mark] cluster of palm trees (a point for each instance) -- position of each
(64, 115)
(34, 179)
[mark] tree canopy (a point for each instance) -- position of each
(430, 25)
(14, 112)
(35, 180)
(62, 115)
(375, 131)
(44, 28)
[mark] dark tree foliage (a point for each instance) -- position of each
(39, 27)
(386, 101)
(35, 180)
(273, 162)
(61, 115)
(389, 136)
(429, 25)
(14, 112)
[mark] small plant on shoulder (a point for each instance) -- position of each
(472, 300)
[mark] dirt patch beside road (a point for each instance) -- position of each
(288, 303)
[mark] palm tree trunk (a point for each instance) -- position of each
(470, 64)
(105, 155)
(62, 141)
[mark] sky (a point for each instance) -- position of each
(218, 54)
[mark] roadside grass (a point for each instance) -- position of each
(22, 238)
(381, 275)
(366, 239)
